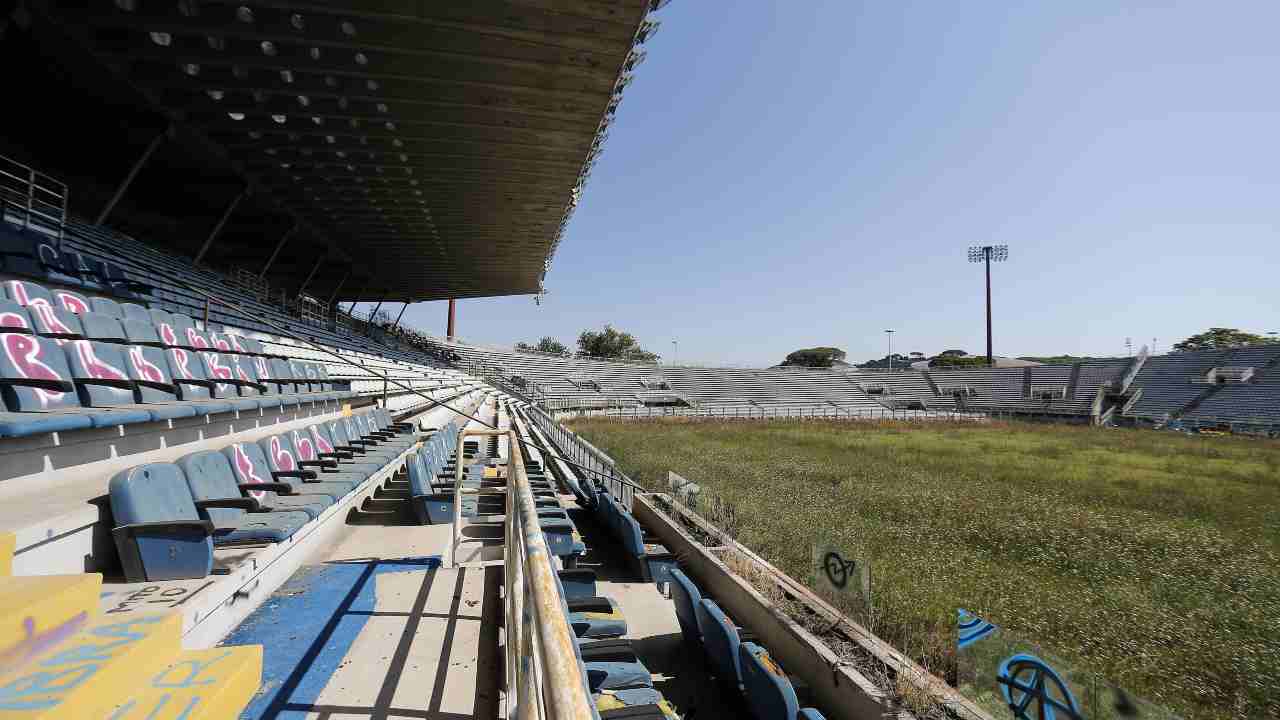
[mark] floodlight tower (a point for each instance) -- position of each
(890, 334)
(988, 254)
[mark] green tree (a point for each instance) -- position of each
(819, 357)
(613, 344)
(547, 344)
(1221, 339)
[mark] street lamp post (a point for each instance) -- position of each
(890, 334)
(988, 254)
(674, 348)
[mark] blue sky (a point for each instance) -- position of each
(793, 174)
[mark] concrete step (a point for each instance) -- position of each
(39, 610)
(199, 685)
(87, 673)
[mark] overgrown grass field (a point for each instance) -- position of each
(1152, 558)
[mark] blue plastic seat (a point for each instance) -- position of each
(225, 382)
(135, 313)
(769, 694)
(102, 327)
(47, 317)
(37, 379)
(149, 369)
(159, 533)
(686, 596)
(72, 302)
(308, 455)
(138, 332)
(721, 643)
(13, 424)
(283, 464)
(653, 561)
(430, 506)
(102, 380)
(108, 307)
(210, 476)
(596, 617)
(14, 318)
(249, 464)
(237, 520)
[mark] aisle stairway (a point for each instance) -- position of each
(61, 658)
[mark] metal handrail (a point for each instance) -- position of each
(544, 679)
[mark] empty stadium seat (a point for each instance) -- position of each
(101, 376)
(210, 476)
(686, 596)
(768, 691)
(159, 533)
(149, 369)
(35, 378)
(249, 464)
(721, 642)
(283, 463)
(14, 317)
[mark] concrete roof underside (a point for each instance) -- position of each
(408, 150)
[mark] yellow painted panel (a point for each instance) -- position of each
(7, 543)
(92, 669)
(38, 612)
(200, 685)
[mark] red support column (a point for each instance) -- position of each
(452, 318)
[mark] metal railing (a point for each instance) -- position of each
(35, 200)
(544, 681)
(599, 467)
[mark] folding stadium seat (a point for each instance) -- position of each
(134, 311)
(686, 596)
(108, 307)
(653, 561)
(720, 642)
(210, 475)
(72, 302)
(230, 382)
(282, 461)
(149, 369)
(360, 448)
(141, 332)
(642, 703)
(47, 319)
(35, 378)
(159, 533)
(307, 453)
(103, 328)
(429, 506)
(810, 714)
(101, 374)
(251, 466)
(14, 318)
(767, 690)
(191, 380)
(240, 520)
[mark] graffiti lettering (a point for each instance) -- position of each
(24, 352)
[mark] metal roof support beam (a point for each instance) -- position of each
(377, 307)
(319, 261)
(396, 324)
(128, 179)
(217, 229)
(336, 290)
(276, 253)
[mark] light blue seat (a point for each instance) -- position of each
(37, 379)
(283, 464)
(149, 370)
(102, 327)
(653, 561)
(810, 714)
(768, 693)
(249, 464)
(159, 533)
(225, 382)
(308, 456)
(71, 301)
(100, 372)
(138, 332)
(596, 617)
(106, 307)
(210, 477)
(327, 448)
(23, 424)
(14, 318)
(134, 312)
(686, 596)
(237, 520)
(721, 643)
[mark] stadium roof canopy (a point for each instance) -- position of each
(407, 149)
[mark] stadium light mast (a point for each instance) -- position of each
(890, 334)
(988, 254)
